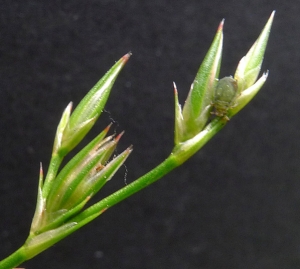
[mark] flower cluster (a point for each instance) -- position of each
(227, 96)
(63, 195)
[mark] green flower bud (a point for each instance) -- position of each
(81, 178)
(75, 126)
(248, 70)
(192, 119)
(249, 66)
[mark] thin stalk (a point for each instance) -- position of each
(13, 260)
(179, 155)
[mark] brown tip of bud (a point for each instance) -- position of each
(126, 57)
(118, 137)
(108, 127)
(129, 149)
(220, 28)
(175, 88)
(41, 170)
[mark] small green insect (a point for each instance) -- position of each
(225, 95)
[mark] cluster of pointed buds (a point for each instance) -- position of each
(225, 97)
(63, 195)
(83, 176)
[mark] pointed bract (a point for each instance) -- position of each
(71, 196)
(90, 108)
(249, 66)
(196, 109)
(179, 123)
(61, 128)
(247, 95)
(37, 244)
(75, 170)
(40, 205)
(91, 185)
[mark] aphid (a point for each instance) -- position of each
(225, 95)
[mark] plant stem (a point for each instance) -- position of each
(179, 155)
(14, 259)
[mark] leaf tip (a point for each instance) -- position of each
(107, 128)
(272, 14)
(175, 88)
(221, 25)
(270, 20)
(126, 57)
(41, 170)
(118, 137)
(129, 149)
(266, 74)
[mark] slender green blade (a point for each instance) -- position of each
(195, 112)
(250, 65)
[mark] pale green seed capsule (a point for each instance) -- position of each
(225, 95)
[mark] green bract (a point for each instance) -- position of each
(73, 128)
(249, 67)
(191, 120)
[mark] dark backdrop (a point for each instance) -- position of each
(235, 204)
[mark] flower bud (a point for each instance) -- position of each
(73, 127)
(80, 179)
(248, 70)
(249, 66)
(192, 119)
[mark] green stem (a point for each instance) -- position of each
(159, 171)
(14, 259)
(179, 155)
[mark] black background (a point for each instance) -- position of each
(235, 204)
